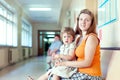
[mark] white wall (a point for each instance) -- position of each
(3, 57)
(72, 12)
(75, 8)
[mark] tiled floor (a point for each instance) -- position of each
(32, 67)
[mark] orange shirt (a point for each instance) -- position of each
(94, 69)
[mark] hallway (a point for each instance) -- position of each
(32, 67)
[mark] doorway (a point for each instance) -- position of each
(44, 40)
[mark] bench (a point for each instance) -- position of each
(110, 64)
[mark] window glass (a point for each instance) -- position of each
(26, 34)
(8, 25)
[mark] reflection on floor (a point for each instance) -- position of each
(32, 67)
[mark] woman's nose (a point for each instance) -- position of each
(83, 21)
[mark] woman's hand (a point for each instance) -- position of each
(59, 63)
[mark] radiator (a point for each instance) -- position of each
(23, 53)
(29, 52)
(9, 56)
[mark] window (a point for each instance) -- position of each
(26, 34)
(8, 25)
(107, 12)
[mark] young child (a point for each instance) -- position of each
(66, 53)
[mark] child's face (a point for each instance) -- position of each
(67, 38)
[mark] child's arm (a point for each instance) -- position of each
(70, 56)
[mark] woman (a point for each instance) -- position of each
(87, 52)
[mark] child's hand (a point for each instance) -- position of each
(53, 54)
(57, 56)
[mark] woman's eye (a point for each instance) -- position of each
(87, 20)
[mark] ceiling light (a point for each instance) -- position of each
(40, 9)
(50, 32)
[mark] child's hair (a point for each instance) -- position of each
(68, 30)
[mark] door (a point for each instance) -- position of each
(44, 40)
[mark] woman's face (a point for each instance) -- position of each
(84, 21)
(67, 38)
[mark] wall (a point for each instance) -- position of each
(72, 13)
(8, 56)
(110, 37)
(3, 57)
(75, 8)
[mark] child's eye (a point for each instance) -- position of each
(64, 36)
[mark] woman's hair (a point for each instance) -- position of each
(68, 30)
(92, 28)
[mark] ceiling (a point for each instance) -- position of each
(58, 10)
